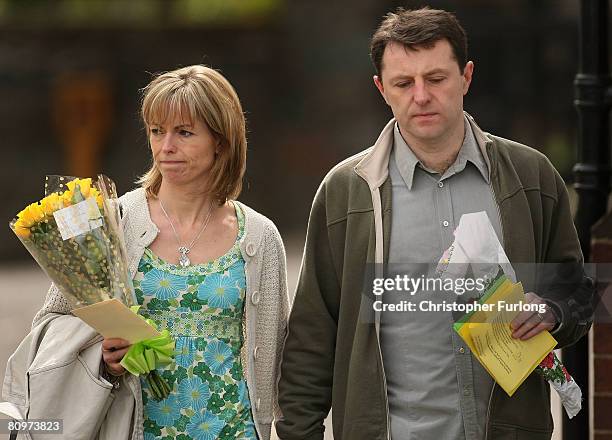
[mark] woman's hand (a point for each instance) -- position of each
(113, 350)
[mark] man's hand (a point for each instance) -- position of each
(113, 351)
(528, 324)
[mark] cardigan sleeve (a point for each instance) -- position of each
(272, 320)
(55, 302)
(280, 269)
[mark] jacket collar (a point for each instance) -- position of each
(374, 167)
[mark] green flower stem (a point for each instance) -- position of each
(158, 385)
(154, 389)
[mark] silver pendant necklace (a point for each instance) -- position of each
(184, 250)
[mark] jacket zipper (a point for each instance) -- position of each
(384, 376)
(501, 223)
(489, 411)
(377, 326)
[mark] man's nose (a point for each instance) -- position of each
(421, 92)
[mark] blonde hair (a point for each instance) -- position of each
(200, 93)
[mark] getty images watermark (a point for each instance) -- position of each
(407, 285)
(464, 289)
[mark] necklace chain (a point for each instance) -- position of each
(184, 250)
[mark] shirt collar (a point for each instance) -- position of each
(407, 161)
(405, 158)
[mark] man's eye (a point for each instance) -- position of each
(403, 85)
(436, 80)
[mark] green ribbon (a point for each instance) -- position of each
(146, 355)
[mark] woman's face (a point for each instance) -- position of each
(184, 151)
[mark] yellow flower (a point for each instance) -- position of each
(84, 186)
(31, 215)
(97, 196)
(100, 201)
(67, 198)
(93, 192)
(21, 230)
(51, 203)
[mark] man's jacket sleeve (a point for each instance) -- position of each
(568, 291)
(305, 384)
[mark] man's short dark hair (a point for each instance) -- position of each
(419, 28)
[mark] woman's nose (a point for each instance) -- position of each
(168, 143)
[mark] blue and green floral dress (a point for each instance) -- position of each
(202, 306)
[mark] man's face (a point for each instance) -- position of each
(425, 90)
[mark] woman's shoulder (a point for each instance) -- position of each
(133, 199)
(135, 215)
(258, 224)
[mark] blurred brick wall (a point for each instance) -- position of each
(601, 252)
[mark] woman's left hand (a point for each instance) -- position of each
(113, 350)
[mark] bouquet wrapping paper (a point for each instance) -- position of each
(74, 233)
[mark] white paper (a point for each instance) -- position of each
(570, 395)
(476, 245)
(78, 219)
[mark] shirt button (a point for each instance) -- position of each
(257, 404)
(440, 184)
(466, 391)
(255, 350)
(461, 350)
(445, 224)
(250, 249)
(255, 298)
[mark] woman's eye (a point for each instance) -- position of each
(185, 133)
(155, 131)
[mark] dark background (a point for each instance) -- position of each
(301, 69)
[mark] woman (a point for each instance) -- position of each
(204, 266)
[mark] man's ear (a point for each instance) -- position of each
(468, 72)
(379, 85)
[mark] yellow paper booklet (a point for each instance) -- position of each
(488, 334)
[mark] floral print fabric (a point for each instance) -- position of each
(561, 381)
(202, 307)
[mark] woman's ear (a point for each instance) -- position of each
(218, 147)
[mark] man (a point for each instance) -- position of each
(402, 376)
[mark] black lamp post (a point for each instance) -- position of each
(592, 172)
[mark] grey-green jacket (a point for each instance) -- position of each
(332, 355)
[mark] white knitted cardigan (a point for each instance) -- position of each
(266, 304)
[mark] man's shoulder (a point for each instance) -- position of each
(342, 189)
(344, 171)
(520, 154)
(533, 168)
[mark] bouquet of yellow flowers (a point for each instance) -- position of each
(75, 235)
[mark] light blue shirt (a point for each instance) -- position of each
(436, 389)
